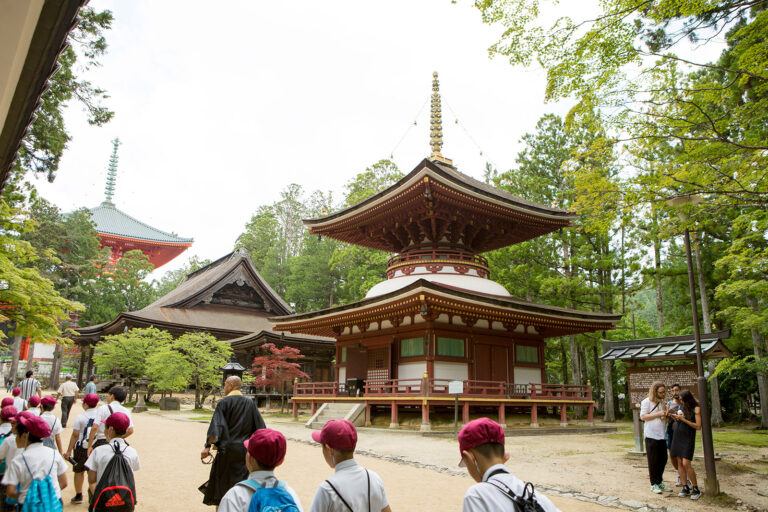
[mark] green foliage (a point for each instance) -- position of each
(173, 278)
(128, 353)
(204, 355)
(740, 367)
(168, 370)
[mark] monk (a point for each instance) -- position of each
(234, 420)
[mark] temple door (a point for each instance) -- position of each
(499, 363)
(378, 369)
(482, 362)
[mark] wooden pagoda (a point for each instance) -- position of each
(439, 317)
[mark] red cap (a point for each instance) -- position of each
(267, 446)
(34, 400)
(36, 425)
(8, 412)
(338, 434)
(22, 414)
(91, 399)
(16, 391)
(477, 432)
(6, 402)
(48, 400)
(118, 421)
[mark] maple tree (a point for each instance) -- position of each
(276, 367)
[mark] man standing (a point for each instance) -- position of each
(91, 386)
(234, 420)
(68, 394)
(653, 411)
(30, 386)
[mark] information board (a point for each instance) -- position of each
(641, 378)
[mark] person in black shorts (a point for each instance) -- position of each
(688, 422)
(77, 452)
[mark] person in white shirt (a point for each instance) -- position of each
(265, 451)
(481, 444)
(78, 443)
(116, 428)
(48, 403)
(68, 393)
(653, 411)
(352, 487)
(19, 403)
(115, 399)
(37, 461)
(7, 443)
(33, 405)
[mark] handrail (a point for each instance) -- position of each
(416, 256)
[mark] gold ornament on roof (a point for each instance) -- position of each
(436, 123)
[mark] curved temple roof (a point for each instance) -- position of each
(111, 221)
(667, 349)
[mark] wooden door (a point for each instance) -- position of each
(483, 368)
(378, 369)
(499, 363)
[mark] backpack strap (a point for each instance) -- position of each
(342, 497)
(368, 476)
(251, 484)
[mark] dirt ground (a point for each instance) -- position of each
(169, 444)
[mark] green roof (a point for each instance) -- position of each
(111, 221)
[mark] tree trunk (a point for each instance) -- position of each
(758, 344)
(575, 366)
(15, 348)
(609, 414)
(659, 299)
(55, 367)
(30, 355)
(716, 413)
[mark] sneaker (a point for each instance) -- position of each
(77, 499)
(695, 493)
(684, 492)
(679, 483)
(664, 487)
(655, 488)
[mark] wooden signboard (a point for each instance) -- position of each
(641, 378)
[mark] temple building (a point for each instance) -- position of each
(122, 233)
(439, 317)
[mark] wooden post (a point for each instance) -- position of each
(367, 414)
(393, 420)
(563, 416)
(535, 416)
(591, 415)
(425, 425)
(313, 407)
(90, 361)
(465, 413)
(502, 415)
(295, 410)
(80, 382)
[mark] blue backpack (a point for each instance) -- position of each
(41, 496)
(2, 464)
(269, 499)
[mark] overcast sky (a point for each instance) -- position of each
(219, 106)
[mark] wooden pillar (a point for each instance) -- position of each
(81, 366)
(90, 361)
(313, 407)
(502, 415)
(295, 410)
(591, 414)
(535, 416)
(394, 422)
(425, 425)
(367, 414)
(465, 413)
(563, 416)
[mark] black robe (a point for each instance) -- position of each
(234, 420)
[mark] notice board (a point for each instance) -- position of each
(641, 378)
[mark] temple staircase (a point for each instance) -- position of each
(352, 411)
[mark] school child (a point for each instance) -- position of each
(481, 444)
(19, 403)
(352, 487)
(33, 405)
(116, 428)
(6, 402)
(36, 462)
(54, 440)
(265, 451)
(97, 436)
(78, 443)
(7, 439)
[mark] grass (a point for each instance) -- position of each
(200, 418)
(756, 439)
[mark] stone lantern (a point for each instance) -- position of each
(231, 368)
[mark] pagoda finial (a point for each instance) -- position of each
(436, 123)
(109, 190)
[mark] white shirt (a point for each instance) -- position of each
(69, 388)
(239, 497)
(653, 429)
(5, 428)
(351, 481)
(33, 410)
(8, 450)
(101, 455)
(29, 387)
(81, 422)
(486, 497)
(54, 423)
(102, 413)
(42, 461)
(19, 403)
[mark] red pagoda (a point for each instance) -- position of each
(122, 233)
(439, 318)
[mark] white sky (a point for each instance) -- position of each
(220, 105)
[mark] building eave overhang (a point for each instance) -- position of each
(670, 348)
(182, 244)
(258, 338)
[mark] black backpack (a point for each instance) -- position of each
(116, 490)
(524, 503)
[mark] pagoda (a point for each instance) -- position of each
(439, 317)
(122, 233)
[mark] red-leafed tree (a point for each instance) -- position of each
(276, 367)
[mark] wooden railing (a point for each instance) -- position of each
(318, 389)
(566, 391)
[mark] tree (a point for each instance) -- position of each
(168, 371)
(128, 353)
(205, 355)
(276, 367)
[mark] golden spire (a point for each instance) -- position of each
(436, 123)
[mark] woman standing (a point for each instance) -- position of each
(688, 421)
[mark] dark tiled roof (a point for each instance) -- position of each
(111, 221)
(666, 349)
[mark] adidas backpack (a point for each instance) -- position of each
(116, 490)
(269, 499)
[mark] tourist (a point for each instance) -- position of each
(78, 443)
(689, 421)
(30, 386)
(68, 394)
(351, 487)
(234, 420)
(7, 445)
(48, 403)
(653, 411)
(115, 399)
(116, 430)
(481, 444)
(265, 451)
(9, 384)
(36, 461)
(33, 405)
(91, 386)
(19, 403)
(672, 406)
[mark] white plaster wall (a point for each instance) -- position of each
(527, 375)
(43, 351)
(411, 370)
(451, 371)
(342, 375)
